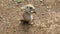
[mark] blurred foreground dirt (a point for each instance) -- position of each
(47, 19)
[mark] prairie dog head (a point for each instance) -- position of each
(29, 8)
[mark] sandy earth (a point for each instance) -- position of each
(47, 18)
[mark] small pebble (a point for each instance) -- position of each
(48, 7)
(1, 18)
(7, 32)
(41, 0)
(2, 5)
(59, 0)
(14, 31)
(43, 14)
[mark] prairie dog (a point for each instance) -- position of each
(28, 14)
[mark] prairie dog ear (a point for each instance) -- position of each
(23, 7)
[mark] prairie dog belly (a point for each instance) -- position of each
(27, 17)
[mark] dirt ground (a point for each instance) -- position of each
(47, 18)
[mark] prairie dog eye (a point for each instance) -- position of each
(30, 7)
(27, 6)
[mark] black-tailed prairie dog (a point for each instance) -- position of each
(28, 13)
